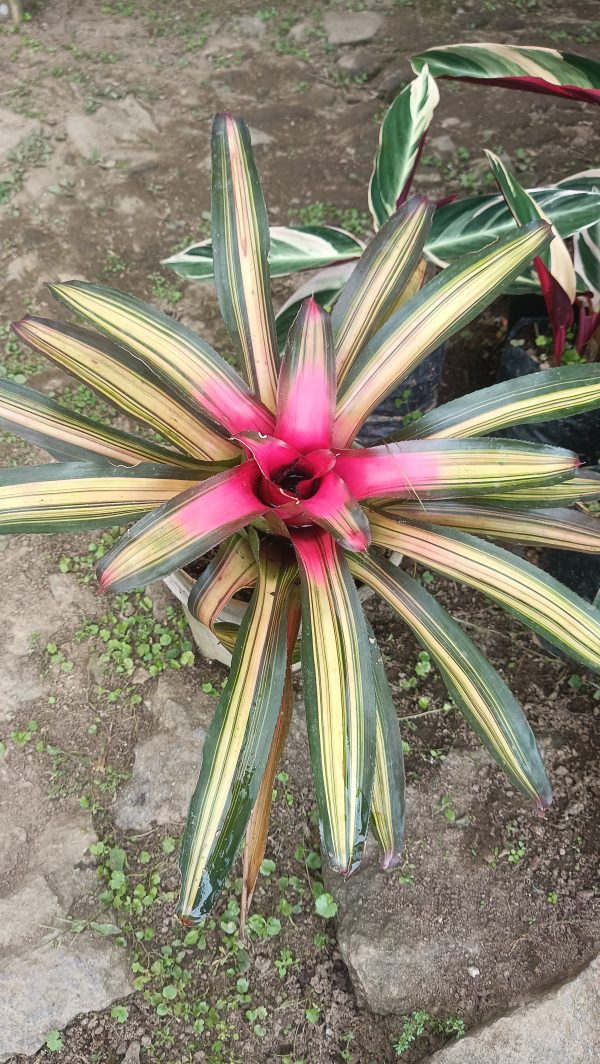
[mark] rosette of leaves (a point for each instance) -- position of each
(263, 465)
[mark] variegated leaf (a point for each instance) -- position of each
(73, 437)
(183, 529)
(378, 280)
(237, 746)
(537, 397)
(479, 692)
(324, 286)
(401, 137)
(232, 569)
(583, 488)
(544, 70)
(586, 254)
(306, 390)
(445, 469)
(466, 225)
(177, 356)
(553, 266)
(389, 799)
(293, 248)
(339, 697)
(535, 598)
(562, 529)
(443, 306)
(240, 246)
(124, 381)
(258, 824)
(70, 496)
(525, 209)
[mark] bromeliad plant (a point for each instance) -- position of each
(266, 469)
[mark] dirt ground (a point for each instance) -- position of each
(105, 113)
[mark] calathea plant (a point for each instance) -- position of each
(553, 73)
(460, 225)
(265, 469)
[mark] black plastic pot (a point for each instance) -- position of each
(418, 391)
(580, 433)
(580, 572)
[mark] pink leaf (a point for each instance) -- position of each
(388, 470)
(183, 529)
(306, 393)
(271, 455)
(336, 510)
(558, 305)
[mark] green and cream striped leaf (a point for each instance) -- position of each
(587, 180)
(324, 286)
(70, 496)
(538, 600)
(183, 529)
(389, 798)
(544, 70)
(187, 364)
(378, 280)
(583, 488)
(293, 248)
(586, 255)
(467, 225)
(339, 697)
(553, 393)
(524, 209)
(240, 233)
(447, 469)
(72, 437)
(586, 243)
(449, 302)
(120, 378)
(458, 228)
(562, 528)
(479, 692)
(401, 136)
(233, 568)
(258, 824)
(237, 745)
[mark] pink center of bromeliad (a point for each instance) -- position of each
(303, 486)
(287, 478)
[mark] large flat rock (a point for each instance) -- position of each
(562, 1027)
(352, 27)
(48, 987)
(48, 975)
(448, 928)
(166, 764)
(47, 874)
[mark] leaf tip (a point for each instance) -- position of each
(105, 580)
(185, 919)
(357, 541)
(20, 327)
(312, 309)
(389, 859)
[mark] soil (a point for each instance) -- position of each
(106, 111)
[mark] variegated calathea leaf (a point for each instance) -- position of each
(542, 70)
